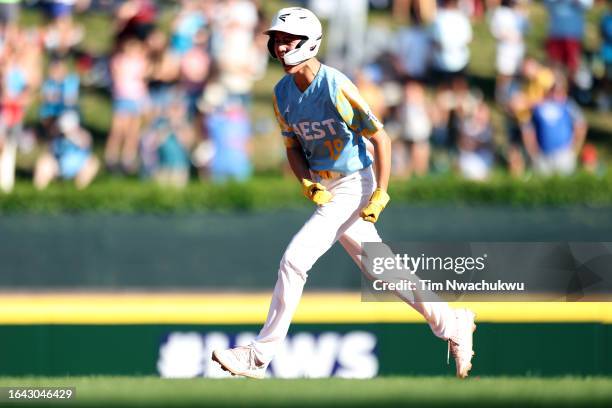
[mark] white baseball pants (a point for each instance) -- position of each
(337, 220)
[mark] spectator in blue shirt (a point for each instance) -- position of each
(605, 29)
(565, 31)
(556, 132)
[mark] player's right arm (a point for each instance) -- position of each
(298, 162)
(315, 192)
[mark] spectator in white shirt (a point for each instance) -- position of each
(508, 25)
(451, 34)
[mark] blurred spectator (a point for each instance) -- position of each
(512, 127)
(61, 34)
(187, 24)
(538, 79)
(412, 51)
(9, 12)
(347, 29)
(59, 92)
(129, 69)
(195, 67)
(517, 102)
(604, 99)
(367, 80)
(451, 34)
(164, 71)
(476, 144)
(508, 25)
(590, 159)
(556, 132)
(70, 155)
(450, 107)
(31, 56)
(135, 18)
(424, 10)
(415, 129)
(14, 99)
(475, 9)
(56, 9)
(238, 69)
(565, 32)
(229, 131)
(166, 146)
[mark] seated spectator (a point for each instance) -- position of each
(70, 155)
(416, 126)
(476, 144)
(555, 133)
(228, 128)
(59, 92)
(166, 146)
(537, 81)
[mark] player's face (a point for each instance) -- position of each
(283, 43)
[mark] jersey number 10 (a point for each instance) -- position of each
(335, 148)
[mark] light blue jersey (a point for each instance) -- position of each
(327, 120)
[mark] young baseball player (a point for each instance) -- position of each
(324, 121)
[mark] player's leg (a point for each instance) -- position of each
(317, 235)
(314, 239)
(438, 314)
(456, 326)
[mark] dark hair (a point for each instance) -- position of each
(414, 13)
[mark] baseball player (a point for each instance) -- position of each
(324, 121)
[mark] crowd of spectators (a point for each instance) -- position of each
(181, 87)
(180, 90)
(440, 119)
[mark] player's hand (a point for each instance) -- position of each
(377, 203)
(316, 192)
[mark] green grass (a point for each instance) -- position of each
(379, 392)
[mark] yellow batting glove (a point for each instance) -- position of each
(316, 192)
(378, 202)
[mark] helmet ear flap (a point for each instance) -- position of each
(271, 45)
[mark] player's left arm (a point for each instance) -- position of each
(357, 115)
(382, 166)
(382, 158)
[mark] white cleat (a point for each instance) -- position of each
(460, 345)
(240, 361)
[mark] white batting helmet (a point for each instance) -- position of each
(301, 22)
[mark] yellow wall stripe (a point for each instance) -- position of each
(239, 308)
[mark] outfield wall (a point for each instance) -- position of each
(333, 335)
(221, 251)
